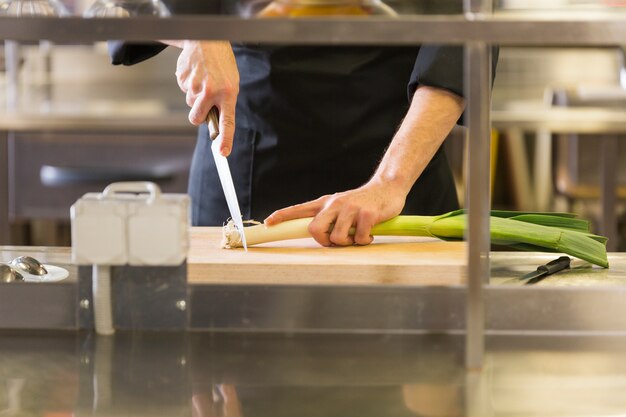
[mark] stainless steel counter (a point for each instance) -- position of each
(582, 300)
(564, 356)
(234, 375)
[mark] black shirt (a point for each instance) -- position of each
(314, 120)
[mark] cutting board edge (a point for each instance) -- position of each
(320, 275)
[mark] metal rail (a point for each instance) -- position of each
(477, 86)
(477, 92)
(586, 30)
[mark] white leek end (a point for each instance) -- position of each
(260, 233)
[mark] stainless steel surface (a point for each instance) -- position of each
(580, 120)
(5, 229)
(582, 300)
(235, 375)
(174, 122)
(9, 274)
(32, 305)
(477, 76)
(608, 185)
(29, 264)
(506, 265)
(525, 73)
(529, 117)
(28, 8)
(543, 271)
(150, 297)
(588, 29)
(12, 59)
(127, 8)
(81, 90)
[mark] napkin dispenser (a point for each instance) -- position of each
(130, 223)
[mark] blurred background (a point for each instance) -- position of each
(74, 123)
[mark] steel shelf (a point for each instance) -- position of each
(525, 30)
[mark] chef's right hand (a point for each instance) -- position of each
(207, 73)
(221, 401)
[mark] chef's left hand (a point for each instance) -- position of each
(361, 208)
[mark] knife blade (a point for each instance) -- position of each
(223, 171)
(543, 271)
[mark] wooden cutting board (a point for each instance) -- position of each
(389, 260)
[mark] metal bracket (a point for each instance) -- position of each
(144, 297)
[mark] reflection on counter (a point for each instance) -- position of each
(510, 269)
(241, 375)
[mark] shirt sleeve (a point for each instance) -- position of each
(442, 67)
(127, 53)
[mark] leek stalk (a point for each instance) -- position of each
(544, 232)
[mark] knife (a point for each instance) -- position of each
(544, 270)
(223, 171)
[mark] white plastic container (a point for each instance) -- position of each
(130, 223)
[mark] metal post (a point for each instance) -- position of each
(12, 63)
(477, 90)
(608, 193)
(5, 238)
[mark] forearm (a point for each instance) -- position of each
(432, 115)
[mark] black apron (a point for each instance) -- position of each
(313, 121)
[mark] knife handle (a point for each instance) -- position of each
(555, 265)
(213, 121)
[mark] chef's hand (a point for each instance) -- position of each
(222, 401)
(431, 116)
(361, 208)
(207, 73)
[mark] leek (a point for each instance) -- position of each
(544, 232)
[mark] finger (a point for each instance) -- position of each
(197, 84)
(200, 109)
(298, 211)
(181, 74)
(364, 223)
(341, 229)
(320, 225)
(227, 126)
(190, 98)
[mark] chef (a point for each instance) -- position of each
(350, 135)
